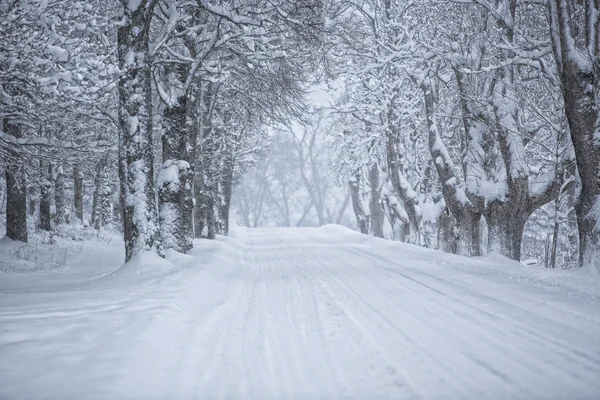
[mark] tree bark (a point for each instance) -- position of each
(506, 221)
(404, 192)
(175, 192)
(16, 191)
(465, 212)
(140, 218)
(45, 194)
(60, 217)
(357, 204)
(78, 192)
(375, 204)
(226, 189)
(580, 81)
(16, 188)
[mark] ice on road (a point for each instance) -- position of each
(304, 314)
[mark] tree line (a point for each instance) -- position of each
(168, 96)
(454, 124)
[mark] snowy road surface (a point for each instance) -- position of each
(302, 314)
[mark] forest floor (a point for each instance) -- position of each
(303, 313)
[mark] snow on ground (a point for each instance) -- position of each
(301, 313)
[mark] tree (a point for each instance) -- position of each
(575, 35)
(136, 164)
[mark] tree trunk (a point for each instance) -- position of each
(505, 229)
(140, 216)
(357, 204)
(97, 197)
(469, 234)
(78, 192)
(199, 207)
(404, 192)
(466, 214)
(448, 232)
(60, 217)
(209, 200)
(45, 194)
(226, 190)
(578, 72)
(175, 192)
(16, 188)
(375, 204)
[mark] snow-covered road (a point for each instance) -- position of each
(306, 314)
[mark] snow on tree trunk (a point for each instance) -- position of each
(78, 192)
(226, 190)
(16, 196)
(45, 197)
(404, 192)
(466, 213)
(140, 219)
(398, 218)
(357, 204)
(175, 180)
(106, 196)
(375, 205)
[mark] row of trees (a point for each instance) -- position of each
(452, 119)
(170, 96)
(469, 110)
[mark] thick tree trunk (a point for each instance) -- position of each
(16, 196)
(175, 192)
(362, 219)
(469, 234)
(78, 193)
(505, 229)
(582, 114)
(580, 80)
(375, 205)
(140, 216)
(448, 232)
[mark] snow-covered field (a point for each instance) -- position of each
(292, 313)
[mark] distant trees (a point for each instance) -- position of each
(293, 182)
